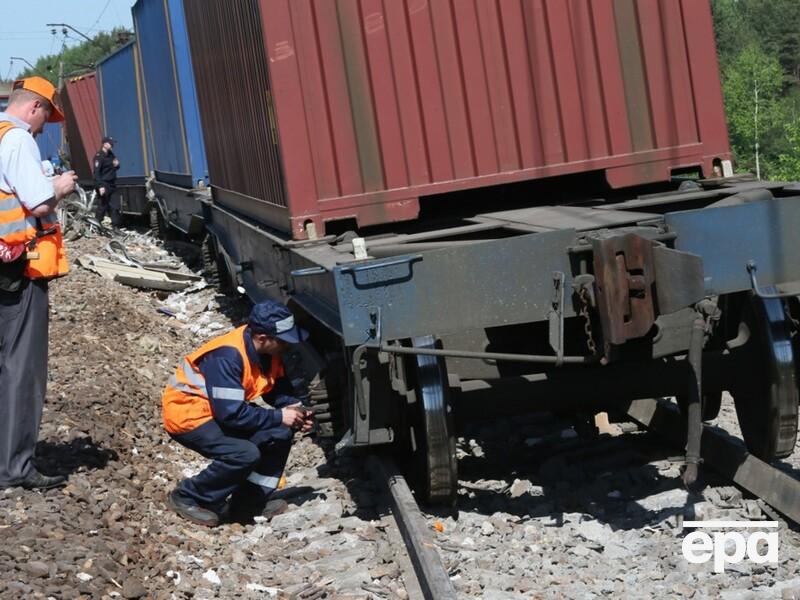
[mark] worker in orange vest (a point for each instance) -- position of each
(208, 407)
(31, 253)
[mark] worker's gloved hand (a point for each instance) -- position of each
(293, 416)
(101, 191)
(308, 421)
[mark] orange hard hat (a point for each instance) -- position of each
(40, 85)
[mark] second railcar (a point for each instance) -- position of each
(122, 117)
(180, 171)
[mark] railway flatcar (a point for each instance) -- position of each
(81, 100)
(180, 173)
(119, 83)
(498, 207)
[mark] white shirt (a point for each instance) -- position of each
(21, 165)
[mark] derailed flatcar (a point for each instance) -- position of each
(122, 117)
(453, 126)
(180, 172)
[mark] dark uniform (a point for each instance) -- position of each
(105, 176)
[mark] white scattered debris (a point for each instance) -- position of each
(212, 577)
(84, 576)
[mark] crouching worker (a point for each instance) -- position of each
(207, 407)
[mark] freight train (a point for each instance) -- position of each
(478, 208)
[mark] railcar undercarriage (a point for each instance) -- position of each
(575, 307)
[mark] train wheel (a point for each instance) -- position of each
(431, 427)
(214, 268)
(158, 228)
(210, 268)
(765, 391)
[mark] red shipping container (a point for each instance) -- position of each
(82, 112)
(357, 108)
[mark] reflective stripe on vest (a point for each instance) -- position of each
(47, 257)
(185, 404)
(17, 225)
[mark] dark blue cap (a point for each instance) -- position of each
(274, 319)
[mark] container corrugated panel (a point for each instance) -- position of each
(122, 114)
(49, 140)
(233, 90)
(379, 103)
(171, 100)
(82, 125)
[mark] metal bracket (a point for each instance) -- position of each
(623, 266)
(761, 292)
(555, 317)
(402, 260)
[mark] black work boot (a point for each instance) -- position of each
(37, 481)
(191, 511)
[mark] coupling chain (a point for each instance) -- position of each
(587, 320)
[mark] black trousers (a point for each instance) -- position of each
(245, 465)
(109, 203)
(23, 377)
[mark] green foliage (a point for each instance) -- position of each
(80, 58)
(752, 85)
(788, 165)
(758, 42)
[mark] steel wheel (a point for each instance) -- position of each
(433, 440)
(158, 228)
(765, 385)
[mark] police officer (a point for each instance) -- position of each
(106, 166)
(207, 407)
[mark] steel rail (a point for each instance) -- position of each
(430, 572)
(725, 454)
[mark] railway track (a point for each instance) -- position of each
(721, 453)
(725, 454)
(431, 576)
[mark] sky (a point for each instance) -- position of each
(24, 32)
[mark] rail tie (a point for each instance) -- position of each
(432, 576)
(725, 454)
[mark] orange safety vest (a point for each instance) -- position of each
(185, 404)
(47, 257)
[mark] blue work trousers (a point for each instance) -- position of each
(248, 465)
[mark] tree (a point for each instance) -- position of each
(776, 24)
(731, 29)
(752, 83)
(788, 164)
(80, 58)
